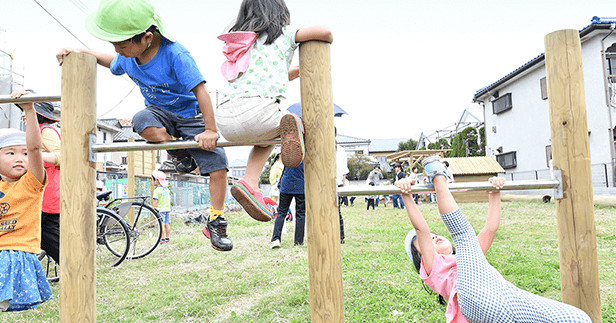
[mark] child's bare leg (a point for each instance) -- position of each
(256, 160)
(446, 202)
(155, 134)
(218, 188)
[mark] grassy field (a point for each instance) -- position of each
(188, 281)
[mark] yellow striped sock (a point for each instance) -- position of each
(215, 213)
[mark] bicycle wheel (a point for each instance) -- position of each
(51, 268)
(145, 229)
(112, 238)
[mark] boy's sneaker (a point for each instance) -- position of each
(251, 201)
(216, 231)
(292, 147)
(433, 166)
(182, 160)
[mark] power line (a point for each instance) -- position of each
(118, 104)
(58, 21)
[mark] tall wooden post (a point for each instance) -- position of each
(579, 271)
(77, 190)
(323, 227)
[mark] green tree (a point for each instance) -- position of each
(466, 143)
(264, 179)
(410, 144)
(359, 167)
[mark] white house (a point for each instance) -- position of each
(516, 112)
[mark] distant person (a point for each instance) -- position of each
(161, 200)
(291, 187)
(398, 175)
(342, 170)
(177, 102)
(374, 178)
(259, 49)
(414, 178)
(274, 177)
(449, 172)
(370, 199)
(475, 291)
(23, 284)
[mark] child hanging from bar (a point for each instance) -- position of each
(23, 284)
(475, 291)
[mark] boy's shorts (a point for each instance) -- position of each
(185, 128)
(165, 217)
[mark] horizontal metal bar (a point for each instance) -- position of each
(30, 98)
(454, 187)
(141, 146)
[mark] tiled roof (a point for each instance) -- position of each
(125, 134)
(474, 165)
(596, 23)
(342, 139)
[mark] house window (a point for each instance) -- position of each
(104, 137)
(507, 160)
(502, 104)
(124, 160)
(544, 88)
(548, 155)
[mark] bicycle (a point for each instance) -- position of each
(144, 224)
(112, 241)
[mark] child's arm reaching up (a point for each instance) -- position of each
(424, 236)
(34, 142)
(487, 234)
(102, 59)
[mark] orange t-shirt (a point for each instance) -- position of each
(20, 214)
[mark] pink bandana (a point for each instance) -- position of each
(237, 51)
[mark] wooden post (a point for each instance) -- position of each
(579, 271)
(77, 190)
(323, 227)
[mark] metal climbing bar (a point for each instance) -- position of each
(141, 146)
(30, 98)
(454, 187)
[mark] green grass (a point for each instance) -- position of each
(188, 281)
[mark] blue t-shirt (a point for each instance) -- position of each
(292, 180)
(165, 81)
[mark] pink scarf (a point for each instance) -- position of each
(237, 51)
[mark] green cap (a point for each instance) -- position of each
(119, 20)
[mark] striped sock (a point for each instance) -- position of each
(215, 213)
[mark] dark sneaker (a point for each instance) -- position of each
(182, 160)
(216, 231)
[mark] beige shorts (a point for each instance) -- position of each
(247, 119)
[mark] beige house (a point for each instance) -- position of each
(473, 169)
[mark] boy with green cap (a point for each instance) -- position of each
(174, 92)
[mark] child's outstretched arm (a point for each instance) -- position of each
(208, 138)
(487, 234)
(424, 237)
(102, 59)
(321, 33)
(34, 142)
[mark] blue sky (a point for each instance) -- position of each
(398, 67)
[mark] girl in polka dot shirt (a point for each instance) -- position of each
(259, 49)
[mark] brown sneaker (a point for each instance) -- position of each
(292, 140)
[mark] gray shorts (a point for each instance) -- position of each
(184, 128)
